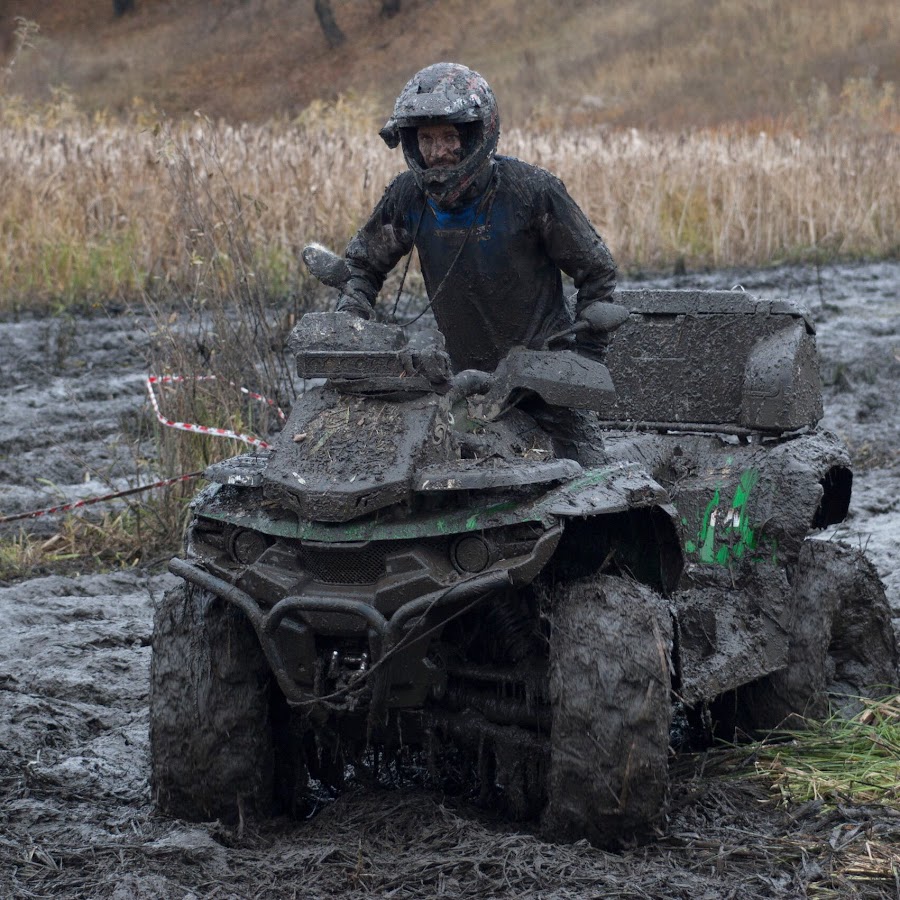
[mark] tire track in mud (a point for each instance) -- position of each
(68, 389)
(76, 815)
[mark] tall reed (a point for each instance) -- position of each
(95, 210)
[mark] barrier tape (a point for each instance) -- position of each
(67, 507)
(208, 429)
(180, 379)
(169, 423)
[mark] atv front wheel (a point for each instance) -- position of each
(210, 735)
(842, 643)
(610, 687)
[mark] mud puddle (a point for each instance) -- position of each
(76, 817)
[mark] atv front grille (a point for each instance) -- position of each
(346, 565)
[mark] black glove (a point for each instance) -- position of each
(593, 344)
(590, 342)
(355, 305)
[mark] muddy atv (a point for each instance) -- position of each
(416, 564)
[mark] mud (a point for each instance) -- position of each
(76, 817)
(608, 773)
(209, 716)
(72, 417)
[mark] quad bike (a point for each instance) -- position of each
(416, 565)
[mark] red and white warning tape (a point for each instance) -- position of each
(169, 423)
(208, 429)
(67, 507)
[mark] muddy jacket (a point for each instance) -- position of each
(491, 266)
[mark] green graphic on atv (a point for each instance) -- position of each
(728, 535)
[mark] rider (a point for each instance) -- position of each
(493, 235)
(492, 232)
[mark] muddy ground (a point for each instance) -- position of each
(76, 817)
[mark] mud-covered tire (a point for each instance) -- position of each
(610, 688)
(210, 735)
(842, 643)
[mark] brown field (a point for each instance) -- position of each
(765, 131)
(639, 63)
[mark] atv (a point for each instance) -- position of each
(417, 564)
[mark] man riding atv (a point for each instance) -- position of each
(493, 235)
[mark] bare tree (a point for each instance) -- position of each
(325, 15)
(120, 7)
(390, 8)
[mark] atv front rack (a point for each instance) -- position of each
(384, 634)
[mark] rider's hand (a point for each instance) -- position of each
(589, 342)
(355, 305)
(592, 344)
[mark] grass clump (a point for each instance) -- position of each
(840, 760)
(120, 538)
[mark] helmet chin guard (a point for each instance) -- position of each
(452, 94)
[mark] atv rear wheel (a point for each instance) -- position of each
(210, 735)
(842, 643)
(610, 687)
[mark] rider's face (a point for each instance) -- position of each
(439, 145)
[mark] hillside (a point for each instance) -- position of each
(623, 62)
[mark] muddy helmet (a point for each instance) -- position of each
(453, 94)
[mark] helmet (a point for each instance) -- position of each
(446, 93)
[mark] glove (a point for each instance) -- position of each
(593, 344)
(355, 305)
(589, 342)
(601, 319)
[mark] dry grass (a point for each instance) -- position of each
(840, 760)
(721, 199)
(95, 210)
(838, 781)
(115, 539)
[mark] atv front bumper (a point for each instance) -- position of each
(411, 624)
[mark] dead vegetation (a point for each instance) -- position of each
(101, 206)
(683, 64)
(112, 540)
(96, 211)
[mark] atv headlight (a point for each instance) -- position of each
(246, 546)
(471, 554)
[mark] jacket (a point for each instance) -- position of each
(492, 264)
